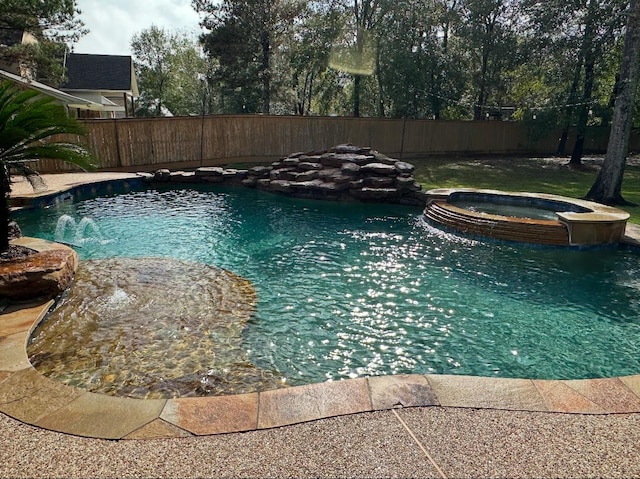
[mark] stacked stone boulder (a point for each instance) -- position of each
(345, 172)
(43, 274)
(213, 174)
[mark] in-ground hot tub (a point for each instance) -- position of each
(525, 217)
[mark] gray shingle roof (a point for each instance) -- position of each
(10, 36)
(98, 72)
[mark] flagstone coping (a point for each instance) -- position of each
(32, 398)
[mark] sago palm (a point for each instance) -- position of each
(28, 121)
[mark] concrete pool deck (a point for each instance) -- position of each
(408, 426)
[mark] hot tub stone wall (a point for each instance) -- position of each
(579, 223)
(345, 172)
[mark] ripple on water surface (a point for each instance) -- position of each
(151, 327)
(347, 290)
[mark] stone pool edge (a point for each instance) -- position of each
(32, 398)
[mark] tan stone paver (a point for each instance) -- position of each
(28, 396)
(20, 187)
(98, 415)
(559, 397)
(611, 394)
(21, 317)
(158, 429)
(213, 415)
(633, 383)
(401, 391)
(313, 401)
(483, 392)
(13, 352)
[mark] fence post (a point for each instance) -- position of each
(117, 138)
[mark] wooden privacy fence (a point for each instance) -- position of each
(145, 144)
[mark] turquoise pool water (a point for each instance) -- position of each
(347, 290)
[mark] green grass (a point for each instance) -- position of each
(538, 175)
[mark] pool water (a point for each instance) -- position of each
(505, 209)
(347, 290)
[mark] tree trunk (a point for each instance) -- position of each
(568, 112)
(562, 143)
(381, 112)
(583, 117)
(311, 77)
(266, 72)
(482, 94)
(435, 97)
(608, 185)
(588, 56)
(5, 189)
(356, 95)
(437, 100)
(479, 106)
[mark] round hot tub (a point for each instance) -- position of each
(535, 218)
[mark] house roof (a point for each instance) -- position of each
(10, 36)
(100, 73)
(69, 100)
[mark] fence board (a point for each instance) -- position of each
(148, 143)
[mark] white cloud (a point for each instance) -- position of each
(112, 23)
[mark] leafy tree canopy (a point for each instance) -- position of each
(53, 23)
(247, 39)
(554, 62)
(53, 19)
(172, 72)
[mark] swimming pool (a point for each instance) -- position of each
(347, 290)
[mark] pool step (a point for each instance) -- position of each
(549, 232)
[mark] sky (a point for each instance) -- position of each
(112, 23)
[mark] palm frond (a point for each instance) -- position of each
(28, 123)
(33, 177)
(30, 128)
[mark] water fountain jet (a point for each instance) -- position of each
(77, 231)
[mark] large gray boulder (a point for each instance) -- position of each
(344, 172)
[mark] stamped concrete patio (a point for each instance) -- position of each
(392, 426)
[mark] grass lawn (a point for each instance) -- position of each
(537, 175)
